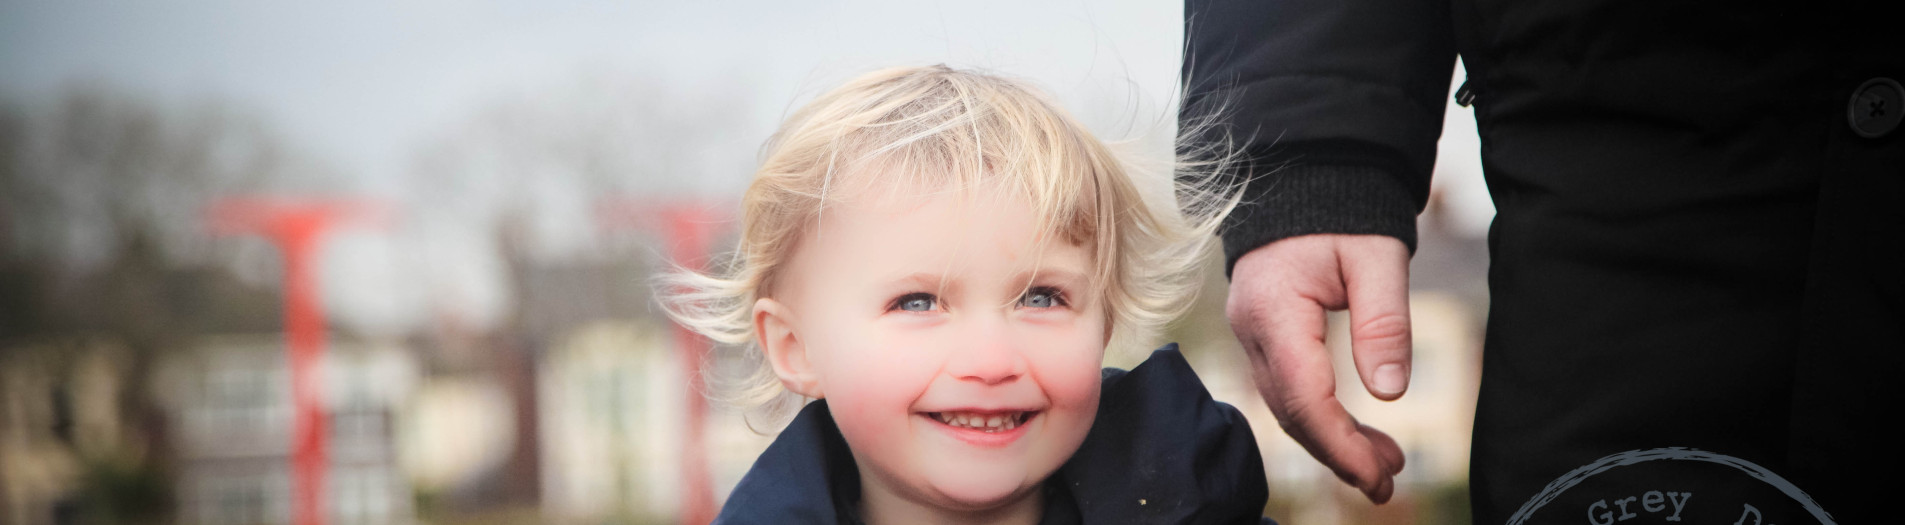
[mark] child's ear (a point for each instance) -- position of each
(784, 349)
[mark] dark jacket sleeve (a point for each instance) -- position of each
(1336, 106)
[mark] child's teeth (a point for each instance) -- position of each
(991, 423)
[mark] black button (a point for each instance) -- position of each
(1876, 107)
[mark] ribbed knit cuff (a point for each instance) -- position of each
(1301, 200)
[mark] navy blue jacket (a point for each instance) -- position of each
(1161, 451)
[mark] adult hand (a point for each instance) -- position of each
(1279, 295)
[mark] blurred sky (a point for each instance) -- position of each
(364, 86)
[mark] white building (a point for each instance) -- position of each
(613, 407)
(231, 401)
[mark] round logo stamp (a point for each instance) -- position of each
(1672, 485)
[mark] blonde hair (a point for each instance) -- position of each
(937, 127)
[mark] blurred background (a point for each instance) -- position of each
(439, 219)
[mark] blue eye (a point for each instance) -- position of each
(1042, 297)
(915, 302)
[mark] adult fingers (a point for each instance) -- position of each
(1376, 275)
(1358, 454)
(1390, 455)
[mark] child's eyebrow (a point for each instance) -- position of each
(1066, 278)
(1071, 280)
(921, 281)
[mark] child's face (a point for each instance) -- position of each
(912, 313)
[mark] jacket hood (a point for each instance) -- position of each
(1160, 451)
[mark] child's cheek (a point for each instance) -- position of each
(1074, 388)
(871, 393)
(1072, 363)
(1071, 380)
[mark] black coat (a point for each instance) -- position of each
(1161, 451)
(1697, 243)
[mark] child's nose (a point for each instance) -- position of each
(987, 355)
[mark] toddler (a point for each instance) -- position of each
(939, 258)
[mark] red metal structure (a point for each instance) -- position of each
(688, 229)
(296, 227)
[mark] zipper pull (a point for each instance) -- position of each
(1464, 96)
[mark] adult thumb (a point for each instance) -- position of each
(1376, 278)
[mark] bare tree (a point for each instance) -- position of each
(528, 171)
(101, 240)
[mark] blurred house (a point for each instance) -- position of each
(612, 422)
(469, 443)
(82, 439)
(611, 391)
(601, 386)
(230, 401)
(59, 418)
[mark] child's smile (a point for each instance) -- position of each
(959, 356)
(983, 427)
(991, 421)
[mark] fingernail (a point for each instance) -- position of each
(1391, 379)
